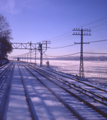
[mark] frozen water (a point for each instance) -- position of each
(95, 71)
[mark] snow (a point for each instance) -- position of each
(95, 71)
(17, 107)
(46, 105)
(69, 99)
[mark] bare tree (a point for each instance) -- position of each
(5, 37)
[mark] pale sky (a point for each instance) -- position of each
(54, 20)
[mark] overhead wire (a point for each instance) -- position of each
(93, 53)
(76, 44)
(97, 41)
(62, 46)
(64, 55)
(66, 35)
(99, 25)
(95, 21)
(60, 35)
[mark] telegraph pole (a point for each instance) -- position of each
(81, 69)
(30, 51)
(41, 48)
(41, 51)
(35, 54)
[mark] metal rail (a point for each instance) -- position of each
(3, 65)
(4, 75)
(71, 93)
(87, 103)
(74, 86)
(59, 73)
(29, 101)
(75, 79)
(6, 94)
(65, 104)
(4, 72)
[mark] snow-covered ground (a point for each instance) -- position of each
(45, 104)
(95, 71)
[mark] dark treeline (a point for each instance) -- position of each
(5, 37)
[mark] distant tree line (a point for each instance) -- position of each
(5, 37)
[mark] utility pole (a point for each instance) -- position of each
(30, 51)
(35, 54)
(41, 48)
(81, 69)
(41, 51)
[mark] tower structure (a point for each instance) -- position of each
(81, 33)
(42, 49)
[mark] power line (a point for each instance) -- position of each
(93, 53)
(100, 29)
(98, 41)
(66, 37)
(60, 35)
(76, 44)
(64, 34)
(63, 55)
(62, 46)
(98, 25)
(96, 21)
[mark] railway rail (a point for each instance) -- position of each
(4, 73)
(75, 78)
(80, 87)
(35, 93)
(5, 83)
(92, 106)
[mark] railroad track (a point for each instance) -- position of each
(72, 77)
(95, 95)
(33, 93)
(4, 73)
(29, 101)
(5, 87)
(2, 68)
(70, 80)
(7, 101)
(75, 114)
(54, 80)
